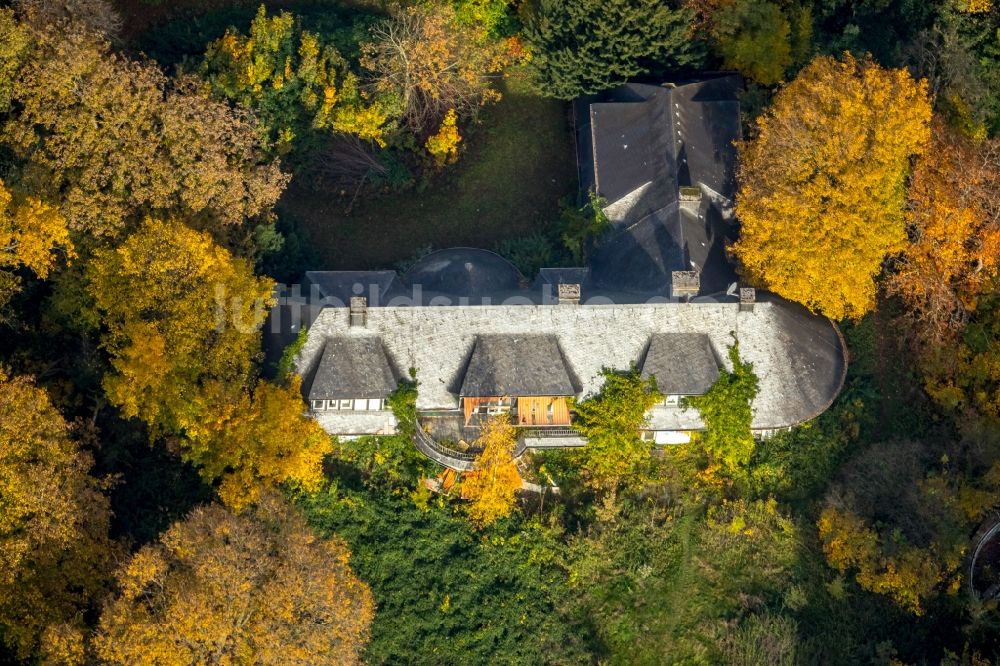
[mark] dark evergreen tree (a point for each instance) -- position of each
(584, 46)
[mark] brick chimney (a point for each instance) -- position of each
(569, 294)
(359, 310)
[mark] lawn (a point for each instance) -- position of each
(516, 164)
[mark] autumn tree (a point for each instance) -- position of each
(896, 523)
(753, 38)
(965, 375)
(443, 146)
(181, 320)
(178, 311)
(15, 43)
(33, 234)
(492, 486)
(97, 16)
(249, 442)
(909, 576)
(221, 588)
(821, 201)
(579, 47)
(54, 547)
(953, 221)
(610, 422)
(294, 82)
(423, 57)
(727, 413)
(113, 139)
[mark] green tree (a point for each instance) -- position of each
(727, 412)
(754, 38)
(293, 82)
(610, 422)
(580, 47)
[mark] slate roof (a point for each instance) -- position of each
(352, 367)
(337, 287)
(637, 144)
(464, 272)
(683, 363)
(517, 365)
(799, 357)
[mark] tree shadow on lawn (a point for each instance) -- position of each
(517, 163)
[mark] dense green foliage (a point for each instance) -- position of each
(446, 593)
(584, 47)
(610, 422)
(754, 39)
(727, 412)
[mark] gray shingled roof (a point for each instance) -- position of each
(463, 271)
(683, 363)
(799, 357)
(353, 367)
(517, 365)
(637, 144)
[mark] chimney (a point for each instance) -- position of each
(359, 310)
(748, 296)
(685, 284)
(690, 197)
(569, 294)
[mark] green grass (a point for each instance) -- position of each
(517, 162)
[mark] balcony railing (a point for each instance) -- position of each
(461, 461)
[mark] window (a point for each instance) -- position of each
(319, 404)
(647, 435)
(671, 400)
(346, 404)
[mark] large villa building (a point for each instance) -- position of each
(659, 294)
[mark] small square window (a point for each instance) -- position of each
(346, 404)
(671, 400)
(319, 404)
(647, 435)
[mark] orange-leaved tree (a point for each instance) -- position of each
(822, 184)
(112, 139)
(220, 588)
(423, 57)
(954, 225)
(54, 546)
(492, 486)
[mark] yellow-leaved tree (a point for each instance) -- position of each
(32, 234)
(292, 80)
(492, 486)
(178, 311)
(250, 442)
(220, 588)
(822, 184)
(54, 546)
(182, 324)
